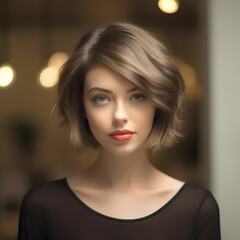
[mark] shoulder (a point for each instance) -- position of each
(195, 191)
(206, 211)
(202, 197)
(208, 208)
(199, 194)
(43, 193)
(39, 204)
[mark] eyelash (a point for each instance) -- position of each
(139, 95)
(96, 99)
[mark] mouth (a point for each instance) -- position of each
(121, 135)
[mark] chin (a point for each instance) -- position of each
(122, 150)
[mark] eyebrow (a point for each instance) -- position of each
(109, 91)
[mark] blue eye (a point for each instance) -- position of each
(100, 99)
(138, 98)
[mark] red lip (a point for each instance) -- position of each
(121, 135)
(121, 132)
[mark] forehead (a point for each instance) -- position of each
(102, 76)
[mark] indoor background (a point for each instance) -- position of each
(37, 36)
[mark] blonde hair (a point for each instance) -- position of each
(136, 55)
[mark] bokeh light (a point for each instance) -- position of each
(57, 60)
(168, 6)
(193, 88)
(49, 75)
(7, 75)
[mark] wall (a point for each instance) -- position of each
(224, 65)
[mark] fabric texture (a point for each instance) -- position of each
(52, 211)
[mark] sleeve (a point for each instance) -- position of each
(30, 220)
(208, 227)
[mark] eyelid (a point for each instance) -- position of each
(94, 98)
(139, 94)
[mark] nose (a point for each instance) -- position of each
(120, 115)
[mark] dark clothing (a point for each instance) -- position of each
(52, 211)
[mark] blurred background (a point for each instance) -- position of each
(36, 38)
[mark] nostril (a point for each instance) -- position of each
(120, 120)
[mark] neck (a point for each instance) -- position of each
(125, 172)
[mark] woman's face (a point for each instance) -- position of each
(120, 115)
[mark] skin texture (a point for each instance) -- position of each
(124, 107)
(122, 180)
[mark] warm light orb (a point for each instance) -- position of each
(48, 77)
(193, 88)
(57, 60)
(7, 75)
(168, 6)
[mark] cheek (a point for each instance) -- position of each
(145, 117)
(96, 120)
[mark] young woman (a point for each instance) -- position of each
(120, 92)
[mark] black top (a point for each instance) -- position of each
(52, 211)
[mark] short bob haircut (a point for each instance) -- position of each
(137, 56)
